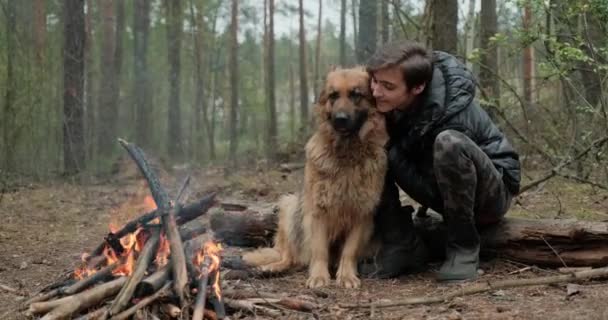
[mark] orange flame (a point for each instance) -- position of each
(211, 251)
(162, 255)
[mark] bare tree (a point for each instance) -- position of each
(141, 75)
(444, 32)
(385, 27)
(316, 80)
(342, 32)
(489, 53)
(9, 95)
(366, 42)
(73, 83)
(234, 81)
(528, 66)
(303, 75)
(174, 44)
(271, 136)
(108, 111)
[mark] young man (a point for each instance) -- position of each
(444, 152)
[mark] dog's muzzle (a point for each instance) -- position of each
(341, 121)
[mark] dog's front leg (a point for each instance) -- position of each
(347, 270)
(319, 250)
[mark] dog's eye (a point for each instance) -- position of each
(355, 95)
(333, 96)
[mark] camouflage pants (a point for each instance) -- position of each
(462, 183)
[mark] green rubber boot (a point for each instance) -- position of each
(462, 254)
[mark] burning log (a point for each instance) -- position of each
(178, 259)
(209, 264)
(62, 308)
(144, 259)
(543, 242)
(153, 282)
(184, 215)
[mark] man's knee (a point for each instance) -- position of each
(448, 143)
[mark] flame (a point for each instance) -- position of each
(212, 251)
(162, 255)
(132, 243)
(149, 204)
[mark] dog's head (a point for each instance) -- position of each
(346, 100)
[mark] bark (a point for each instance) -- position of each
(89, 87)
(366, 43)
(141, 79)
(119, 31)
(200, 106)
(304, 122)
(342, 32)
(73, 85)
(272, 133)
(164, 291)
(444, 32)
(108, 112)
(174, 43)
(234, 82)
(9, 96)
(528, 67)
(316, 77)
(489, 52)
(40, 31)
(385, 26)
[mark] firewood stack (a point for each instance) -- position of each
(143, 268)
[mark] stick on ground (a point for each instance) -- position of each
(487, 286)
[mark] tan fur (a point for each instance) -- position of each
(343, 180)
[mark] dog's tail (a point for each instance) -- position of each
(287, 207)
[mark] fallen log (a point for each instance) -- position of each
(244, 229)
(543, 242)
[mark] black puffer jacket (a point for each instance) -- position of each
(448, 103)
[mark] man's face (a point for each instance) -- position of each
(390, 90)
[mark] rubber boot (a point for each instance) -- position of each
(462, 253)
(402, 251)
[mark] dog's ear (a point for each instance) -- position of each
(322, 98)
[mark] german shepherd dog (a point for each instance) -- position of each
(346, 163)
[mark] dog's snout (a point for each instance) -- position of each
(341, 120)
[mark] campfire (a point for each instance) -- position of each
(155, 266)
(142, 267)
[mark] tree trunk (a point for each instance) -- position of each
(174, 35)
(386, 22)
(234, 82)
(303, 76)
(40, 30)
(292, 95)
(119, 30)
(73, 83)
(200, 106)
(343, 32)
(9, 96)
(316, 77)
(211, 59)
(354, 6)
(141, 75)
(528, 67)
(470, 27)
(89, 90)
(444, 30)
(366, 43)
(272, 138)
(108, 113)
(489, 53)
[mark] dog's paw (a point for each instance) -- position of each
(348, 281)
(317, 281)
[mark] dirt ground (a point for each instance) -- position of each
(46, 227)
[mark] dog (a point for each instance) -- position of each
(332, 219)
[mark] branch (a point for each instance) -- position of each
(596, 144)
(488, 286)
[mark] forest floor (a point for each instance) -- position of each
(46, 227)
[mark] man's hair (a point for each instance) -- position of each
(413, 59)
